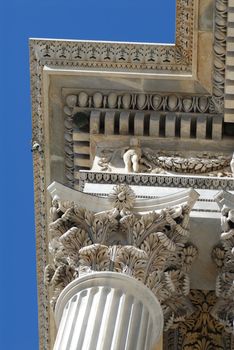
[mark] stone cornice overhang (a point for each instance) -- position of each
(195, 65)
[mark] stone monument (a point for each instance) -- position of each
(133, 174)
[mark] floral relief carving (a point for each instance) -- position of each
(126, 55)
(223, 255)
(209, 164)
(122, 198)
(152, 248)
(162, 162)
(200, 331)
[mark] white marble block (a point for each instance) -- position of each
(107, 311)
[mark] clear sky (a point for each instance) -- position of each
(123, 20)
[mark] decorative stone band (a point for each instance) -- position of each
(157, 185)
(107, 310)
(144, 115)
(221, 74)
(125, 56)
(229, 95)
(155, 124)
(223, 255)
(137, 101)
(181, 181)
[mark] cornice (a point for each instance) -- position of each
(125, 56)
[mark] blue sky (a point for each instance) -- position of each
(123, 20)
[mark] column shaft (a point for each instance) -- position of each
(114, 315)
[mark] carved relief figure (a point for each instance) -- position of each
(132, 156)
(142, 159)
(232, 165)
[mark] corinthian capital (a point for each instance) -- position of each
(127, 237)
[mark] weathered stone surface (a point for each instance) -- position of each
(189, 79)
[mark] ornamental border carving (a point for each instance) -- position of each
(219, 50)
(157, 180)
(186, 107)
(200, 330)
(131, 56)
(38, 138)
(124, 100)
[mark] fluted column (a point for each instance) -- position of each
(107, 311)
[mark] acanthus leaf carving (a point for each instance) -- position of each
(223, 255)
(95, 257)
(131, 261)
(149, 247)
(200, 331)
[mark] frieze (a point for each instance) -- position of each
(137, 159)
(107, 55)
(85, 110)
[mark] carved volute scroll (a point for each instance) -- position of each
(152, 247)
(223, 255)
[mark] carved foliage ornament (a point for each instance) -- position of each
(200, 331)
(124, 55)
(161, 162)
(223, 255)
(152, 248)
